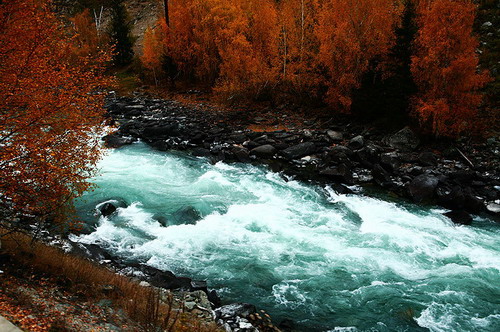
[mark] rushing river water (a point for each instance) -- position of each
(303, 252)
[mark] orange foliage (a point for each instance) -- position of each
(88, 40)
(353, 34)
(445, 66)
(226, 43)
(50, 110)
(299, 45)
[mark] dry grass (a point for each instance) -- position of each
(152, 308)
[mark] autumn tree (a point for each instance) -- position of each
(89, 40)
(50, 111)
(299, 46)
(445, 66)
(353, 35)
(229, 45)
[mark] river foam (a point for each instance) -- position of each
(303, 252)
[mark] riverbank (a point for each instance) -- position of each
(44, 289)
(463, 177)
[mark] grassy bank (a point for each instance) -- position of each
(44, 289)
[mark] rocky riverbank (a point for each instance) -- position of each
(461, 177)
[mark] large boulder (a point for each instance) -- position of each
(423, 187)
(108, 207)
(264, 151)
(459, 217)
(299, 150)
(404, 140)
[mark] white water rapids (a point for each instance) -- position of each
(303, 252)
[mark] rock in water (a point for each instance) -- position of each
(422, 187)
(186, 215)
(107, 209)
(459, 217)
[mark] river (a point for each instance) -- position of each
(299, 251)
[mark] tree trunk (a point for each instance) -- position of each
(167, 21)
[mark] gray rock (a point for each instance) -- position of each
(391, 161)
(428, 159)
(190, 305)
(493, 208)
(235, 310)
(299, 150)
(357, 142)
(335, 136)
(423, 187)
(264, 151)
(404, 140)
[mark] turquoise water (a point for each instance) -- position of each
(303, 252)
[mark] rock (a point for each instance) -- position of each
(199, 285)
(266, 151)
(165, 279)
(107, 209)
(422, 188)
(493, 207)
(214, 298)
(299, 150)
(186, 215)
(341, 173)
(116, 141)
(201, 152)
(238, 138)
(390, 161)
(452, 199)
(428, 159)
(380, 175)
(235, 310)
(459, 217)
(341, 149)
(190, 305)
(357, 142)
(241, 154)
(404, 140)
(335, 136)
(473, 204)
(160, 132)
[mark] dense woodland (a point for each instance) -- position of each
(433, 61)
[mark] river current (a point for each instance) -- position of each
(299, 251)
